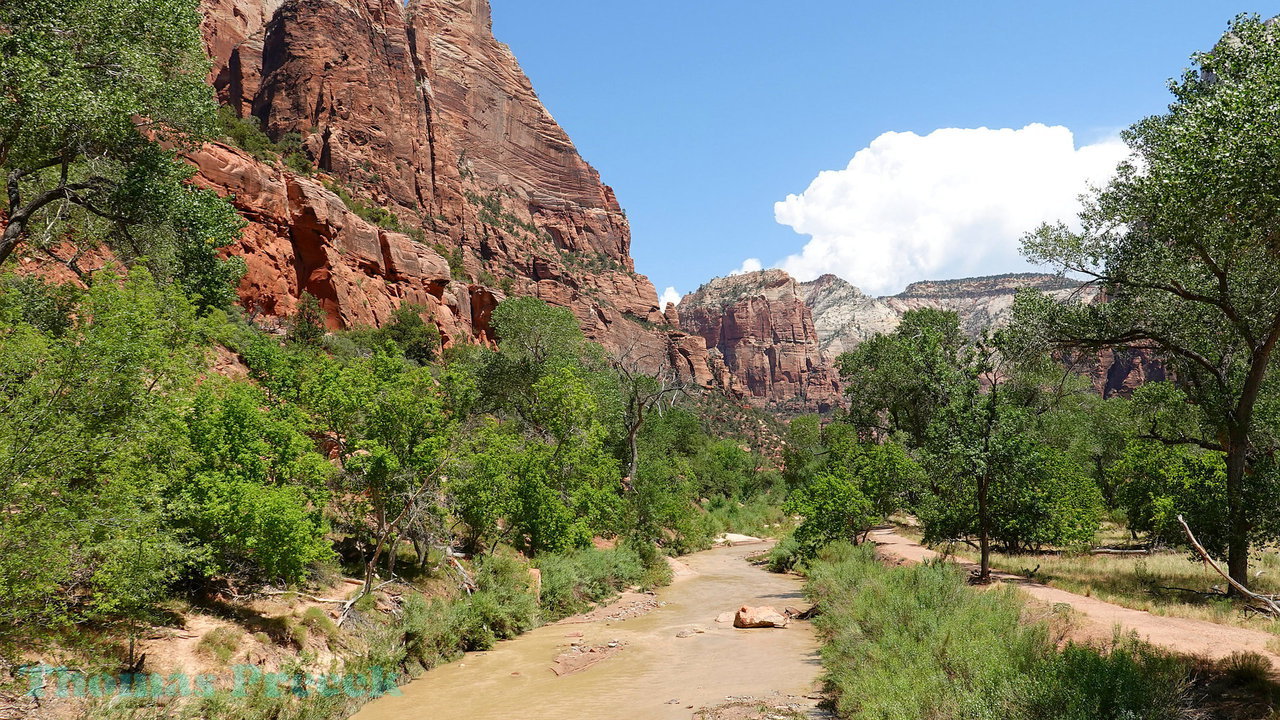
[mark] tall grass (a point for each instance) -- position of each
(917, 643)
(572, 582)
(759, 516)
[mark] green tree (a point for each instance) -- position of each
(255, 489)
(834, 509)
(85, 424)
(1182, 243)
(1156, 483)
(307, 326)
(803, 453)
(89, 91)
(418, 339)
(898, 382)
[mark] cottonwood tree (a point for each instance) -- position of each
(647, 383)
(96, 97)
(962, 407)
(1184, 242)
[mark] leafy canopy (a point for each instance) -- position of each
(96, 99)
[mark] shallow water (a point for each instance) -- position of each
(514, 681)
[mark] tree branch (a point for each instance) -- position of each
(1270, 604)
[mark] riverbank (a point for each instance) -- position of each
(668, 664)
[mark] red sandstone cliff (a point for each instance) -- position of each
(760, 324)
(418, 109)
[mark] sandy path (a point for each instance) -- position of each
(1098, 620)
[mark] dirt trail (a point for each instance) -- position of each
(665, 664)
(1098, 619)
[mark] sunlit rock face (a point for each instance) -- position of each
(765, 333)
(418, 109)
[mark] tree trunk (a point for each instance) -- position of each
(9, 240)
(1237, 518)
(984, 527)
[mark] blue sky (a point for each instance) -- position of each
(703, 115)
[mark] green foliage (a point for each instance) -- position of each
(860, 484)
(81, 168)
(980, 416)
(833, 508)
(307, 326)
(256, 488)
(380, 216)
(29, 300)
(85, 431)
(418, 339)
(802, 456)
(501, 608)
(573, 581)
(1131, 680)
(916, 642)
(786, 555)
(897, 383)
(1036, 497)
(246, 133)
(1180, 241)
(1155, 484)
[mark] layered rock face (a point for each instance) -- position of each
(418, 110)
(779, 337)
(765, 333)
(845, 317)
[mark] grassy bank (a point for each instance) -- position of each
(418, 635)
(916, 642)
(1164, 582)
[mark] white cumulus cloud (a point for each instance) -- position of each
(670, 295)
(749, 265)
(950, 204)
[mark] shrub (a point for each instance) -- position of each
(786, 555)
(430, 635)
(501, 608)
(917, 642)
(307, 326)
(246, 133)
(834, 508)
(1130, 682)
(571, 582)
(1248, 669)
(221, 643)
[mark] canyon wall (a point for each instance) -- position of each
(779, 338)
(764, 331)
(417, 117)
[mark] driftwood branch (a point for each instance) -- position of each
(1268, 603)
(1114, 551)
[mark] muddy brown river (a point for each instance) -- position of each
(514, 681)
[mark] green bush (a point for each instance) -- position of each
(1154, 484)
(502, 607)
(786, 555)
(571, 582)
(246, 133)
(834, 508)
(758, 516)
(917, 642)
(1130, 682)
(430, 636)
